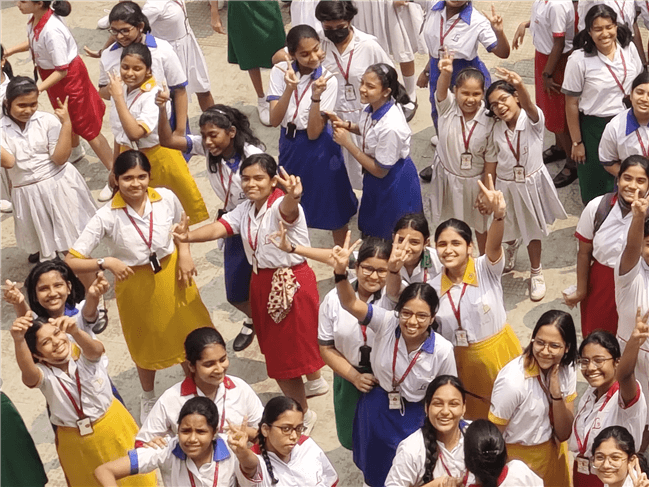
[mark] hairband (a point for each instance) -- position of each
(383, 68)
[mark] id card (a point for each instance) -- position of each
(461, 338)
(520, 174)
(394, 400)
(84, 426)
(583, 465)
(155, 264)
(466, 160)
(254, 260)
(291, 130)
(350, 94)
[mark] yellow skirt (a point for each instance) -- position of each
(169, 170)
(479, 364)
(157, 314)
(549, 460)
(113, 436)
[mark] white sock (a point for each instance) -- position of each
(409, 84)
(149, 395)
(536, 271)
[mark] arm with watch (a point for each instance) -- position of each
(550, 86)
(81, 265)
(573, 121)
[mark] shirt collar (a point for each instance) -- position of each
(118, 200)
(188, 387)
(427, 346)
(148, 84)
(38, 28)
(9, 123)
(277, 193)
(314, 74)
(531, 370)
(70, 311)
(220, 451)
(381, 111)
(470, 277)
(465, 13)
(632, 124)
(149, 41)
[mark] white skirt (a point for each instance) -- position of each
(304, 12)
(196, 69)
(50, 214)
(531, 205)
(453, 196)
(371, 19)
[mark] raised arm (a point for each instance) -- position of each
(91, 348)
(282, 242)
(399, 254)
(562, 410)
(93, 294)
(348, 298)
(31, 375)
(13, 295)
(446, 67)
(492, 202)
(317, 122)
(181, 103)
(625, 371)
(238, 442)
(64, 144)
(634, 244)
(168, 138)
(524, 97)
(290, 204)
(209, 232)
(133, 130)
(502, 49)
(279, 107)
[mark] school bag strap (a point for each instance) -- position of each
(604, 208)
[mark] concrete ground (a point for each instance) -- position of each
(232, 86)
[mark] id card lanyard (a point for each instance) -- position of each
(350, 94)
(444, 34)
(153, 259)
(466, 157)
(394, 398)
(216, 474)
(644, 149)
(520, 172)
(619, 83)
(461, 334)
(83, 424)
(291, 126)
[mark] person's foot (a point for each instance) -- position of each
(106, 194)
(553, 153)
(264, 111)
(34, 258)
(309, 421)
(6, 206)
(77, 154)
(103, 23)
(434, 140)
(511, 255)
(565, 177)
(146, 404)
(316, 387)
(537, 287)
(427, 174)
(245, 336)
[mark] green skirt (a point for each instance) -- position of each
(594, 180)
(255, 33)
(346, 397)
(21, 464)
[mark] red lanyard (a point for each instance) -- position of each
(226, 190)
(135, 99)
(582, 445)
(442, 461)
(426, 275)
(620, 85)
(453, 306)
(621, 10)
(366, 126)
(78, 408)
(250, 240)
(516, 154)
(298, 100)
(408, 370)
(223, 408)
(643, 148)
(216, 474)
(138, 228)
(364, 329)
(345, 73)
(445, 34)
(467, 140)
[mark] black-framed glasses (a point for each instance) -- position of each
(124, 32)
(287, 429)
(422, 318)
(369, 270)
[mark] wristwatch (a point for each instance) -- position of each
(100, 263)
(576, 144)
(547, 75)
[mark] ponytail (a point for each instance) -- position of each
(62, 8)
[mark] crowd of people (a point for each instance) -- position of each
(431, 385)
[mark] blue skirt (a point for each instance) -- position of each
(377, 431)
(386, 200)
(328, 200)
(237, 270)
(459, 64)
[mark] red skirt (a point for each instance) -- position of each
(552, 105)
(85, 105)
(598, 309)
(291, 346)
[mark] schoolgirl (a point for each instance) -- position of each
(226, 140)
(615, 459)
(390, 185)
(465, 151)
(196, 456)
(169, 21)
(206, 354)
(64, 75)
(348, 52)
(92, 426)
(157, 300)
(532, 399)
(614, 397)
(522, 175)
(487, 462)
(599, 74)
(627, 133)
(51, 200)
(282, 456)
(134, 121)
(6, 74)
(283, 291)
(601, 233)
(434, 453)
(299, 93)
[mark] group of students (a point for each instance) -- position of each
(431, 384)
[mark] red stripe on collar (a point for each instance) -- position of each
(228, 383)
(277, 193)
(188, 387)
(38, 28)
(302, 439)
(503, 475)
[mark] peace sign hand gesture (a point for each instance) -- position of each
(238, 436)
(279, 239)
(291, 184)
(62, 111)
(640, 332)
(495, 20)
(446, 63)
(319, 86)
(491, 201)
(510, 76)
(341, 255)
(290, 78)
(639, 206)
(181, 231)
(639, 477)
(399, 254)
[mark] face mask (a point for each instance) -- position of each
(337, 35)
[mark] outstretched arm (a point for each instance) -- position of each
(348, 298)
(524, 97)
(625, 371)
(634, 244)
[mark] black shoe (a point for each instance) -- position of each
(427, 174)
(33, 258)
(102, 321)
(553, 154)
(411, 114)
(242, 341)
(561, 179)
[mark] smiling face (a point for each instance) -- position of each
(309, 53)
(446, 409)
(602, 376)
(611, 463)
(371, 91)
(504, 105)
(548, 347)
(415, 318)
(195, 436)
(603, 32)
(133, 184)
(256, 183)
(23, 107)
(469, 96)
(639, 100)
(133, 71)
(52, 291)
(52, 344)
(125, 33)
(415, 243)
(378, 269)
(217, 140)
(276, 440)
(634, 178)
(453, 250)
(212, 366)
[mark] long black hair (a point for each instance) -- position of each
(584, 41)
(563, 322)
(298, 33)
(327, 10)
(199, 339)
(388, 79)
(266, 162)
(130, 13)
(485, 452)
(7, 69)
(77, 290)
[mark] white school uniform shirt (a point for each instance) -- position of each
(168, 19)
(452, 145)
(51, 44)
(303, 93)
(587, 76)
(96, 392)
(631, 293)
(255, 230)
(471, 30)
(482, 311)
(307, 466)
(528, 136)
(227, 179)
(411, 456)
(519, 474)
(32, 148)
(422, 274)
(3, 87)
(235, 399)
(594, 415)
(610, 239)
(165, 63)
(385, 134)
(175, 467)
(125, 243)
(436, 356)
(623, 137)
(625, 11)
(520, 404)
(551, 19)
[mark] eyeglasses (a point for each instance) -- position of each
(287, 429)
(501, 101)
(124, 32)
(422, 318)
(369, 270)
(553, 347)
(615, 461)
(598, 362)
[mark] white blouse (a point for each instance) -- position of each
(527, 138)
(52, 44)
(385, 134)
(551, 19)
(623, 137)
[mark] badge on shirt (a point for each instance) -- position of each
(85, 426)
(350, 94)
(520, 174)
(394, 400)
(583, 465)
(466, 160)
(461, 338)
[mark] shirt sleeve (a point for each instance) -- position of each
(276, 83)
(389, 147)
(568, 383)
(196, 144)
(327, 317)
(233, 219)
(148, 112)
(330, 476)
(177, 208)
(174, 72)
(103, 75)
(557, 17)
(447, 358)
(152, 10)
(57, 46)
(405, 468)
(379, 318)
(486, 35)
(146, 459)
(574, 75)
(254, 407)
(608, 147)
(491, 150)
(625, 281)
(53, 131)
(330, 95)
(585, 227)
(445, 105)
(505, 400)
(89, 238)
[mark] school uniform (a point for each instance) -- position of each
(461, 34)
(169, 21)
(378, 429)
(155, 312)
(349, 66)
(168, 168)
(52, 202)
(410, 460)
(595, 414)
(428, 267)
(598, 308)
(328, 199)
(283, 289)
(386, 137)
(454, 187)
(623, 137)
(514, 473)
(178, 470)
(533, 203)
(54, 49)
(113, 427)
(520, 403)
(235, 400)
(625, 11)
(303, 12)
(549, 21)
(600, 84)
(5, 189)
